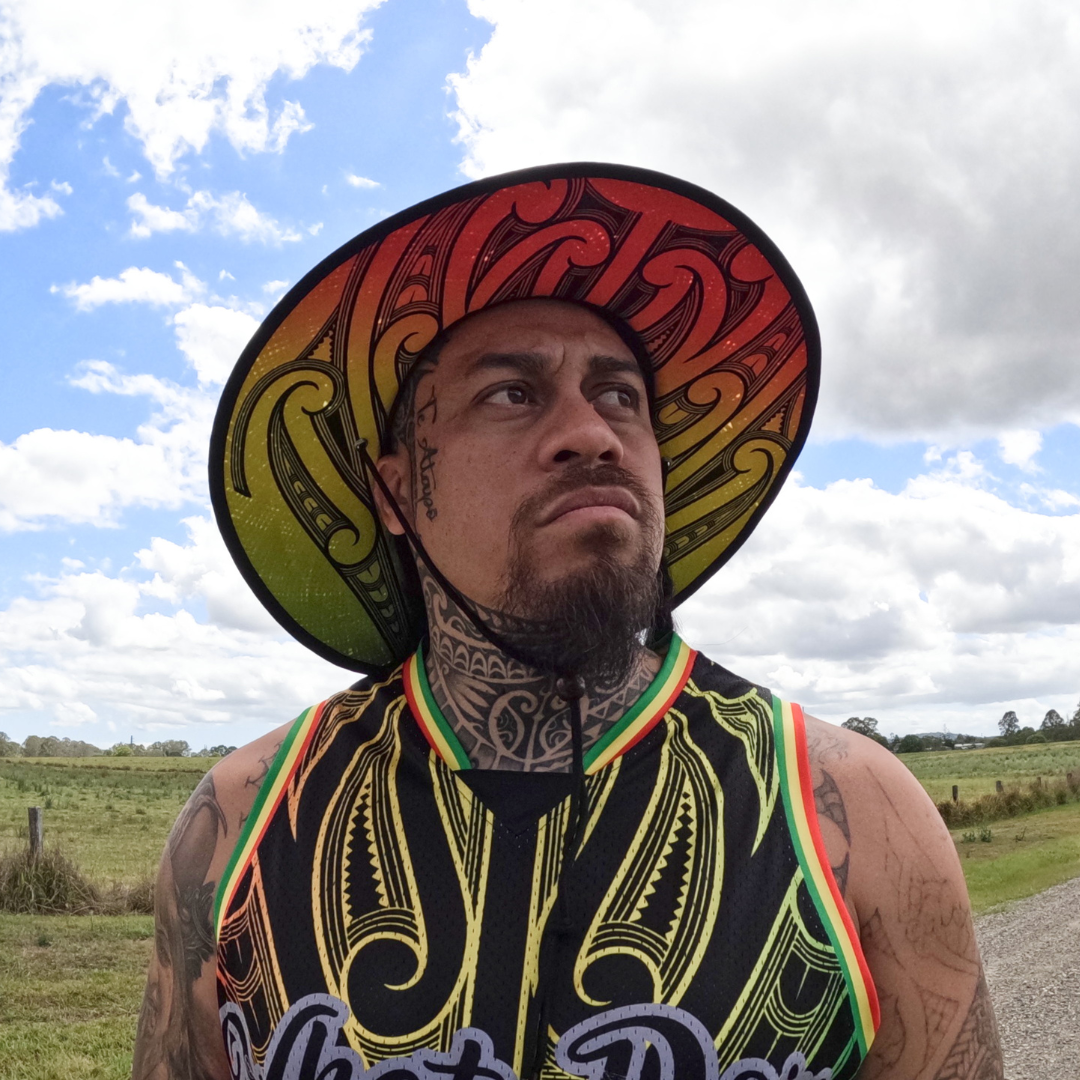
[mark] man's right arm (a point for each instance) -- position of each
(179, 1037)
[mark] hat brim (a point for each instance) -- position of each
(731, 334)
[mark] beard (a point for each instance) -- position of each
(592, 621)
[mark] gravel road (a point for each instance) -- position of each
(1032, 958)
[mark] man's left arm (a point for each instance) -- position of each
(897, 867)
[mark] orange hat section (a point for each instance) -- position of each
(730, 332)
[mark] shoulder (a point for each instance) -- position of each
(237, 779)
(898, 870)
(886, 815)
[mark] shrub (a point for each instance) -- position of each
(1008, 803)
(48, 885)
(54, 885)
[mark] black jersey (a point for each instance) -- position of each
(389, 912)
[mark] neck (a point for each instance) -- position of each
(506, 714)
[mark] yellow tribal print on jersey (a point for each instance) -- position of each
(391, 913)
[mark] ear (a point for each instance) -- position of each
(397, 475)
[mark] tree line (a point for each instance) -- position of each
(51, 746)
(1054, 728)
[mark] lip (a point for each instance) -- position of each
(583, 498)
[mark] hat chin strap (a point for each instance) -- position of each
(571, 681)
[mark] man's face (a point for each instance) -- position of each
(532, 446)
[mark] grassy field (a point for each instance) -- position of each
(1008, 860)
(110, 815)
(70, 989)
(975, 771)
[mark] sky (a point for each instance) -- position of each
(168, 170)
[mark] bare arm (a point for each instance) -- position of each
(898, 869)
(179, 1037)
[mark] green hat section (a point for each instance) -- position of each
(727, 325)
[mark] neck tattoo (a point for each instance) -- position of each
(506, 714)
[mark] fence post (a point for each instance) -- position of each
(1000, 786)
(955, 793)
(37, 832)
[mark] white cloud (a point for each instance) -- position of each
(942, 597)
(212, 338)
(360, 181)
(1019, 448)
(913, 161)
(152, 219)
(182, 72)
(229, 215)
(134, 285)
(88, 645)
(49, 476)
(62, 186)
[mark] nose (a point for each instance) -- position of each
(576, 432)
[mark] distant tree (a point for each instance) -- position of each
(1008, 724)
(1052, 721)
(168, 748)
(866, 726)
(9, 747)
(122, 749)
(1036, 737)
(909, 744)
(76, 748)
(36, 746)
(214, 751)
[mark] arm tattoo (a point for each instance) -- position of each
(264, 768)
(926, 961)
(975, 1054)
(829, 803)
(507, 715)
(173, 1040)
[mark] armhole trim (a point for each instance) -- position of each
(262, 810)
(797, 787)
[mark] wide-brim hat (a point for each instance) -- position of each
(731, 335)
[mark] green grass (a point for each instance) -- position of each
(975, 771)
(70, 989)
(1021, 856)
(109, 815)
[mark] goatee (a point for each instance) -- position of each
(592, 622)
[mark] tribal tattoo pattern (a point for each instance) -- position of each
(507, 715)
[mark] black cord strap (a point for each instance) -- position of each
(451, 591)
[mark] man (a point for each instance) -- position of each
(554, 842)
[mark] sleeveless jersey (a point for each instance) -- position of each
(390, 912)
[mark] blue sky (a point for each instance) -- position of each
(168, 172)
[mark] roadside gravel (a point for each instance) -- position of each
(1031, 952)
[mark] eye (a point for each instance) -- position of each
(618, 397)
(509, 395)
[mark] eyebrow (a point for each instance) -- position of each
(534, 363)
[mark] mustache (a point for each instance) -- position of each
(576, 476)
